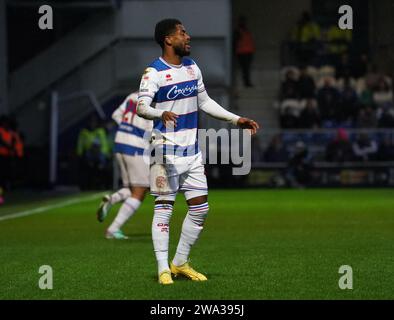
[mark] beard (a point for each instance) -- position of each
(181, 51)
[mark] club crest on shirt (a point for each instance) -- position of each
(190, 71)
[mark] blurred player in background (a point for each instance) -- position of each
(171, 93)
(129, 148)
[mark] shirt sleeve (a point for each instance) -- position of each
(149, 86)
(200, 81)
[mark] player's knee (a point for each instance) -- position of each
(195, 198)
(163, 212)
(139, 192)
(198, 213)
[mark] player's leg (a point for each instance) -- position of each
(196, 193)
(109, 200)
(192, 227)
(161, 236)
(126, 211)
(164, 186)
(122, 194)
(137, 172)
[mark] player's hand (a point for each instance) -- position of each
(246, 123)
(167, 117)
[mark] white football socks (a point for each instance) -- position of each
(161, 234)
(126, 211)
(191, 229)
(119, 195)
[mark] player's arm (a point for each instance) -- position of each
(148, 87)
(212, 108)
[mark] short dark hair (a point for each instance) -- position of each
(164, 28)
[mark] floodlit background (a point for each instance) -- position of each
(319, 194)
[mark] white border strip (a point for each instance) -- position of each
(50, 207)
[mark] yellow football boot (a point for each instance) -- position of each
(165, 277)
(187, 271)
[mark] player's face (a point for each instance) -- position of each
(180, 41)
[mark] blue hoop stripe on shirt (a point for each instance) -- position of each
(131, 129)
(127, 149)
(185, 89)
(184, 121)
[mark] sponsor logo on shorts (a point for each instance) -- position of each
(161, 182)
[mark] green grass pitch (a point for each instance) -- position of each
(257, 244)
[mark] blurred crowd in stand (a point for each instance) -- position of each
(341, 148)
(324, 98)
(300, 157)
(331, 84)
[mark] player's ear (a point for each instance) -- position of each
(167, 41)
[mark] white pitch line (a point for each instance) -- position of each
(50, 207)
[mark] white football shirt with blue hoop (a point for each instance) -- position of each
(131, 143)
(175, 88)
(179, 89)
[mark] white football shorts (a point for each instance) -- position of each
(188, 176)
(133, 170)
